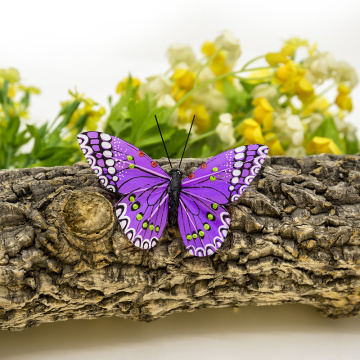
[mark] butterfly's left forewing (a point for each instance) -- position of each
(126, 170)
(121, 167)
(219, 181)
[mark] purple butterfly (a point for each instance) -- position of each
(151, 198)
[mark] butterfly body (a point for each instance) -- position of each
(150, 198)
(174, 189)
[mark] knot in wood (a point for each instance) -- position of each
(87, 214)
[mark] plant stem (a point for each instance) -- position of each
(202, 136)
(251, 61)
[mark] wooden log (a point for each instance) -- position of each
(294, 238)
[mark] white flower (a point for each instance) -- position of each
(279, 118)
(295, 130)
(206, 74)
(166, 101)
(321, 66)
(225, 129)
(346, 74)
(266, 91)
(213, 99)
(290, 125)
(216, 101)
(158, 85)
(228, 42)
(180, 53)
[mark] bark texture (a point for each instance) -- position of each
(294, 239)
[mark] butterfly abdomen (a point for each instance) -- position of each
(174, 195)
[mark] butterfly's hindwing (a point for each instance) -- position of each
(203, 225)
(143, 215)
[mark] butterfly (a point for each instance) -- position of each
(152, 198)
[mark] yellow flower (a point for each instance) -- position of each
(218, 64)
(263, 113)
(229, 51)
(318, 104)
(274, 144)
(343, 100)
(30, 89)
(251, 131)
(281, 57)
(184, 79)
(202, 118)
(286, 76)
(291, 79)
(320, 145)
(297, 42)
(86, 107)
(286, 52)
(304, 89)
(208, 48)
(11, 91)
(10, 74)
(186, 114)
(123, 84)
(259, 76)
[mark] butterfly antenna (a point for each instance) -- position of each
(187, 140)
(163, 141)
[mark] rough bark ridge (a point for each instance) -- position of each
(294, 238)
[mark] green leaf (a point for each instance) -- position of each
(352, 146)
(238, 101)
(12, 129)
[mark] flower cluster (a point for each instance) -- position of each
(283, 103)
(25, 143)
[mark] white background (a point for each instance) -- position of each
(92, 45)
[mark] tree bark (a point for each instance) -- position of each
(294, 238)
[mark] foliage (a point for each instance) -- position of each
(281, 104)
(286, 102)
(25, 144)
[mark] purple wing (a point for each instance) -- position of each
(121, 167)
(225, 177)
(126, 170)
(219, 181)
(143, 215)
(203, 224)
